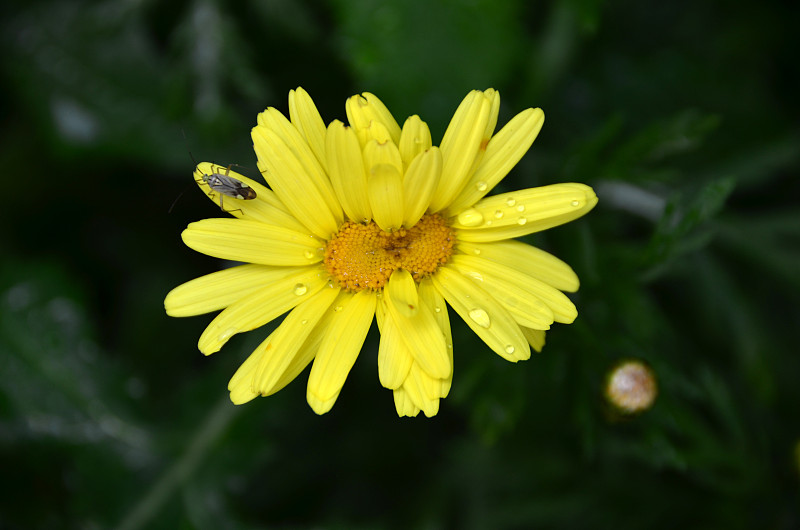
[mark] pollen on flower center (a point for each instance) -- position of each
(362, 256)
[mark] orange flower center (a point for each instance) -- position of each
(362, 256)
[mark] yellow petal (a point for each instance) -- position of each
(394, 359)
(305, 354)
(415, 138)
(240, 385)
(563, 310)
(527, 259)
(347, 172)
(366, 108)
(417, 326)
(385, 189)
(419, 183)
(504, 150)
(526, 308)
(306, 119)
(253, 242)
(535, 337)
(290, 336)
(417, 389)
(261, 306)
(403, 404)
(429, 296)
(487, 317)
(294, 174)
(219, 289)
(339, 349)
(265, 207)
(523, 212)
(460, 147)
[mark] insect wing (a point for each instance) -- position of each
(230, 186)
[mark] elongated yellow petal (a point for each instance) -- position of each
(306, 119)
(504, 150)
(418, 327)
(563, 309)
(394, 359)
(220, 289)
(417, 387)
(301, 153)
(265, 207)
(339, 349)
(415, 138)
(526, 308)
(527, 259)
(460, 146)
(261, 306)
(240, 385)
(487, 317)
(385, 189)
(419, 183)
(298, 180)
(366, 108)
(429, 296)
(403, 403)
(290, 337)
(347, 172)
(307, 351)
(252, 242)
(523, 212)
(535, 337)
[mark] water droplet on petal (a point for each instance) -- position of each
(476, 276)
(308, 254)
(509, 349)
(481, 185)
(300, 289)
(511, 201)
(228, 333)
(470, 217)
(437, 309)
(521, 208)
(498, 214)
(480, 317)
(489, 222)
(338, 308)
(521, 221)
(304, 321)
(575, 203)
(476, 251)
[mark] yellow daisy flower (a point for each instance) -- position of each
(372, 219)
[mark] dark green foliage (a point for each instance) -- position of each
(683, 116)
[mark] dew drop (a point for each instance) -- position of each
(449, 345)
(437, 309)
(575, 203)
(338, 308)
(511, 201)
(521, 208)
(481, 185)
(480, 317)
(498, 214)
(228, 333)
(522, 221)
(308, 254)
(509, 349)
(476, 276)
(304, 321)
(477, 251)
(300, 289)
(470, 217)
(489, 222)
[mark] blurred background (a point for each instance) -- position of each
(682, 115)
